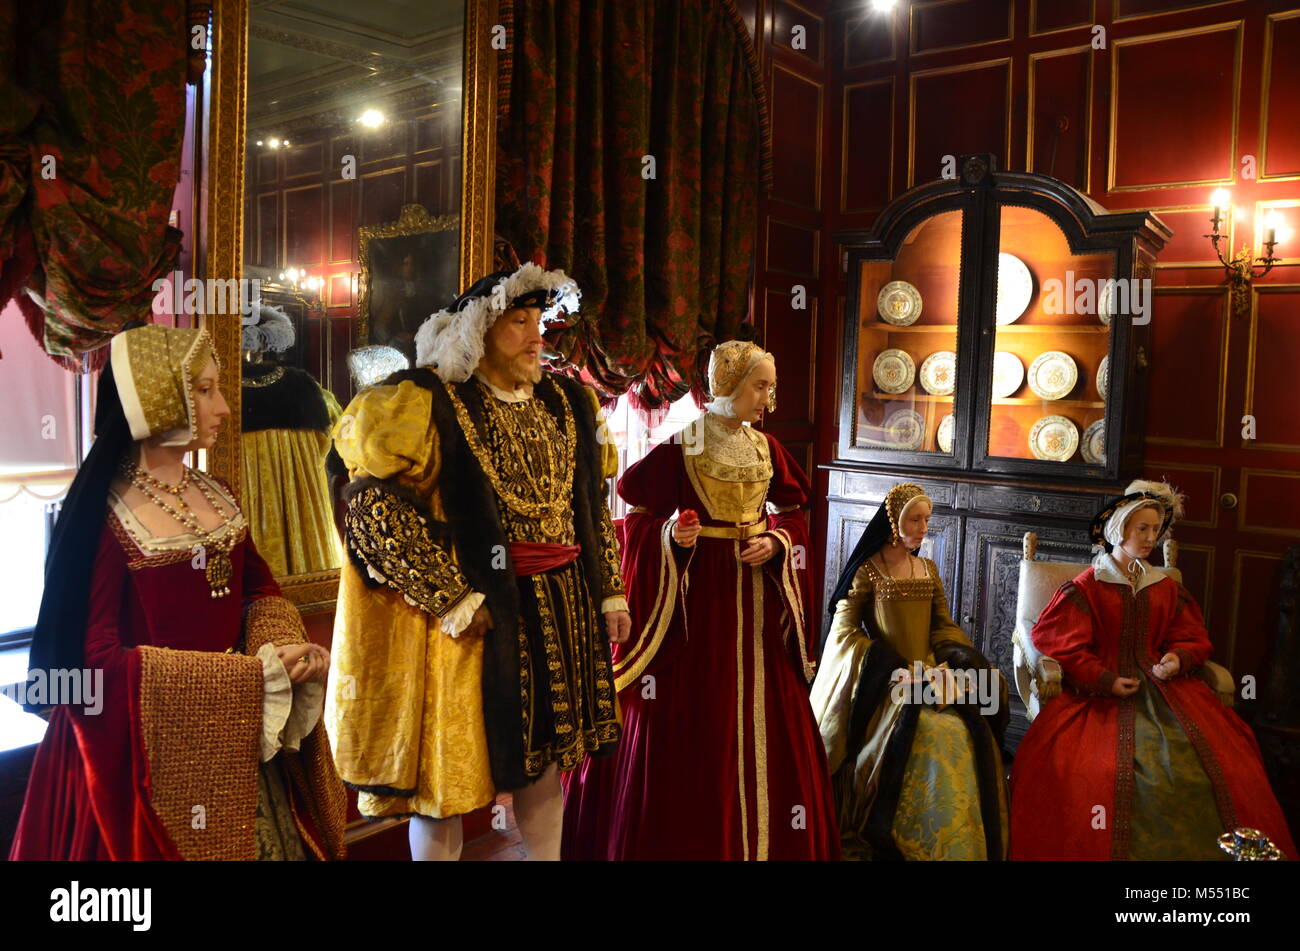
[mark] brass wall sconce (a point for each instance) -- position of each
(1241, 267)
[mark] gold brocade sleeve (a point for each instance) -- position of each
(611, 576)
(387, 433)
(391, 538)
(842, 657)
(608, 451)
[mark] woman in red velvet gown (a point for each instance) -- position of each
(197, 736)
(1137, 758)
(720, 756)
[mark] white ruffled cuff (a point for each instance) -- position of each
(458, 618)
(616, 603)
(308, 704)
(277, 700)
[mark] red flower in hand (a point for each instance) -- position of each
(688, 518)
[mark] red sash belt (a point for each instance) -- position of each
(532, 558)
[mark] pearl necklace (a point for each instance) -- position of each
(217, 566)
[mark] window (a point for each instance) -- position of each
(635, 440)
(42, 440)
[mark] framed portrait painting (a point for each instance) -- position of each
(409, 269)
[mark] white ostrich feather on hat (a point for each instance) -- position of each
(1168, 495)
(452, 341)
(266, 327)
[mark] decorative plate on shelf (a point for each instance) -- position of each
(1093, 446)
(904, 429)
(1106, 304)
(893, 371)
(939, 373)
(944, 435)
(1008, 374)
(1015, 288)
(1054, 438)
(1103, 377)
(1052, 375)
(899, 303)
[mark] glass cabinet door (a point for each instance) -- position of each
(1051, 358)
(906, 374)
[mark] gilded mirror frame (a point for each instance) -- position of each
(224, 212)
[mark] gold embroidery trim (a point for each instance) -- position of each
(740, 532)
(629, 667)
(392, 539)
(740, 707)
(760, 715)
(551, 510)
(610, 569)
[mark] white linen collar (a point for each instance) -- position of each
(522, 394)
(1105, 568)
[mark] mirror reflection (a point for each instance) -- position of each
(351, 225)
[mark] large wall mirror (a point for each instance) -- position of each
(349, 173)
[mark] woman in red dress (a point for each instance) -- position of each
(193, 731)
(720, 756)
(1136, 758)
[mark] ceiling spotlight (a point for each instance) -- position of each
(371, 118)
(882, 6)
(273, 143)
(259, 141)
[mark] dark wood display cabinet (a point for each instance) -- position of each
(995, 335)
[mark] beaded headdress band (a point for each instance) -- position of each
(731, 362)
(898, 500)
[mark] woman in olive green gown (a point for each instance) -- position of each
(910, 712)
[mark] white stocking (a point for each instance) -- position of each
(436, 840)
(539, 812)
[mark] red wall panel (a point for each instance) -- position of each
(956, 110)
(1172, 124)
(1060, 106)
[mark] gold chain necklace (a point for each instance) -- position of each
(548, 513)
(218, 568)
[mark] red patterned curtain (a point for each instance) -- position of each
(92, 115)
(630, 153)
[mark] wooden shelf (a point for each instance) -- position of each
(1035, 400)
(1054, 329)
(997, 401)
(914, 329)
(916, 397)
(1005, 328)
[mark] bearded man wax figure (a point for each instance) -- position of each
(203, 739)
(482, 585)
(720, 757)
(1134, 731)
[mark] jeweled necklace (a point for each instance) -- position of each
(550, 512)
(218, 568)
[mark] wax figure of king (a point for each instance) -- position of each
(916, 762)
(482, 587)
(720, 757)
(203, 739)
(1134, 732)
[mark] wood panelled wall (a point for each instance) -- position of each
(1182, 98)
(300, 211)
